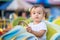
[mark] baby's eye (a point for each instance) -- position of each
(39, 13)
(33, 13)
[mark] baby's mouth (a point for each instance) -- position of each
(37, 17)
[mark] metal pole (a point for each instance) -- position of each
(2, 14)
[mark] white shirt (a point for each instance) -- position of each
(38, 27)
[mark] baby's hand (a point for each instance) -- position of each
(29, 29)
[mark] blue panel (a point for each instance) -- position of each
(4, 6)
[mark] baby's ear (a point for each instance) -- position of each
(43, 17)
(46, 15)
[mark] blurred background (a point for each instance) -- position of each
(11, 9)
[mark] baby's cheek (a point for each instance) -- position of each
(41, 16)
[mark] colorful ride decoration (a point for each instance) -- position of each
(54, 13)
(21, 21)
(18, 33)
(57, 21)
(52, 30)
(12, 17)
(1, 31)
(17, 21)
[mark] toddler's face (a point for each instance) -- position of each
(37, 14)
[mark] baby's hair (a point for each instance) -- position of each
(35, 6)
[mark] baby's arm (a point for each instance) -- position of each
(38, 34)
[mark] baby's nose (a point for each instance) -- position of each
(36, 14)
